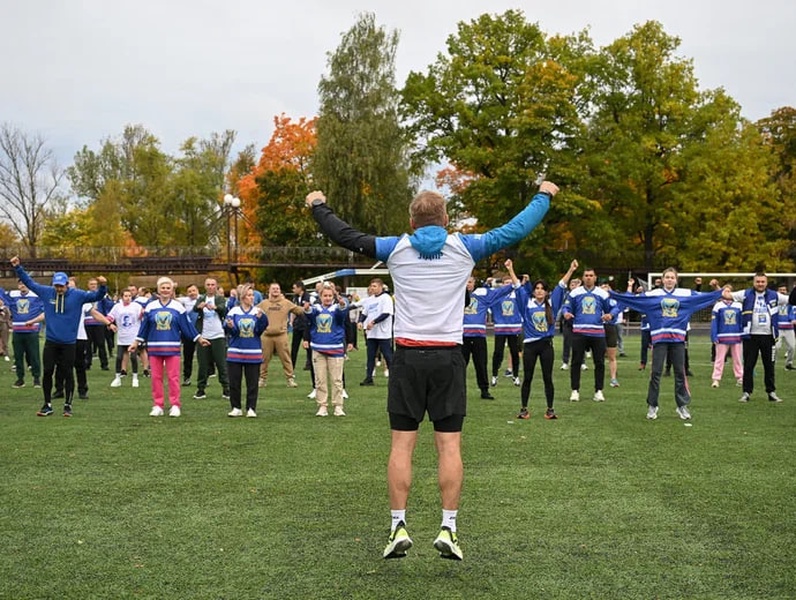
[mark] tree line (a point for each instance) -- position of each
(654, 170)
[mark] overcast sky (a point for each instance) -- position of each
(78, 71)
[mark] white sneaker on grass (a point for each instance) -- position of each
(338, 411)
(598, 396)
(235, 412)
(345, 394)
(174, 411)
(312, 394)
(135, 380)
(652, 413)
(117, 381)
(574, 396)
(250, 414)
(156, 412)
(322, 412)
(682, 412)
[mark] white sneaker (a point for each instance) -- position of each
(312, 394)
(251, 414)
(652, 413)
(584, 367)
(494, 381)
(117, 382)
(135, 380)
(235, 412)
(715, 383)
(682, 412)
(564, 367)
(291, 382)
(744, 397)
(5, 358)
(574, 396)
(345, 394)
(322, 412)
(174, 411)
(378, 363)
(598, 396)
(517, 381)
(338, 411)
(386, 372)
(156, 412)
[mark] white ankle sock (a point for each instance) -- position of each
(449, 519)
(397, 517)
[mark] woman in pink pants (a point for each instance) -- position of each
(725, 333)
(163, 325)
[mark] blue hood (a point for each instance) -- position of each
(429, 240)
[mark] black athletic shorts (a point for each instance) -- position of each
(611, 336)
(428, 379)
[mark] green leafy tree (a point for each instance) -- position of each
(361, 159)
(730, 214)
(501, 106)
(196, 189)
(652, 141)
(159, 200)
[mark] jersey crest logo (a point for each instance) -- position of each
(539, 320)
(730, 317)
(589, 306)
(163, 320)
(23, 306)
(324, 323)
(670, 307)
(507, 308)
(472, 309)
(246, 327)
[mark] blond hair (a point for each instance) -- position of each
(428, 208)
(243, 289)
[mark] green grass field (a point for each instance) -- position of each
(598, 504)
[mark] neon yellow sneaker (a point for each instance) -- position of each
(448, 544)
(398, 542)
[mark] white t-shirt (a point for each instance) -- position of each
(127, 320)
(212, 327)
(81, 327)
(372, 308)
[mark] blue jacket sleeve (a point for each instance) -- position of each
(186, 327)
(45, 292)
(557, 298)
(481, 246)
(714, 327)
(261, 325)
(493, 296)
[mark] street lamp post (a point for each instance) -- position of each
(232, 209)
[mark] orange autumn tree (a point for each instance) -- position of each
(273, 191)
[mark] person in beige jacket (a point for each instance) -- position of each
(275, 340)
